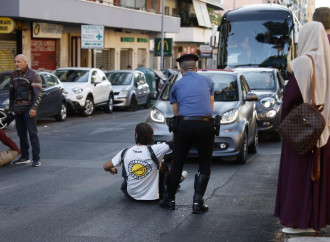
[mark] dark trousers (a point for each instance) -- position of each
(188, 133)
(25, 125)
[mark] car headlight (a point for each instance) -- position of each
(6, 102)
(229, 117)
(77, 90)
(123, 92)
(267, 102)
(271, 114)
(157, 116)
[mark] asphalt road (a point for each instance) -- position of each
(70, 198)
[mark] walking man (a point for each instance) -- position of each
(24, 98)
(192, 98)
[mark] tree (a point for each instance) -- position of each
(215, 16)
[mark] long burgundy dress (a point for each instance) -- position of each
(300, 202)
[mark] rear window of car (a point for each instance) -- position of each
(72, 75)
(225, 86)
(261, 80)
(119, 78)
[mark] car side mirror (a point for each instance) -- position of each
(251, 97)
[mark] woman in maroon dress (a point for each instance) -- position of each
(301, 204)
(8, 155)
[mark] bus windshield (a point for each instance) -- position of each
(265, 43)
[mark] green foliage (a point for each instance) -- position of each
(215, 16)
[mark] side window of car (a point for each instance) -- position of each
(243, 87)
(137, 79)
(142, 79)
(94, 76)
(43, 81)
(51, 81)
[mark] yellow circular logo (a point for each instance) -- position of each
(139, 169)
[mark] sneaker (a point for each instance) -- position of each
(21, 160)
(184, 175)
(36, 163)
(297, 231)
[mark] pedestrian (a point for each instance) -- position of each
(303, 205)
(129, 67)
(8, 155)
(322, 15)
(192, 98)
(143, 180)
(102, 68)
(24, 98)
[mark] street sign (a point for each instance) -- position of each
(205, 51)
(167, 46)
(92, 37)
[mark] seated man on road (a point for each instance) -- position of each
(143, 179)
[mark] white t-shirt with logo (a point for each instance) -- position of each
(142, 172)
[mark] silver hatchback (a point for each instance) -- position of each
(233, 101)
(130, 89)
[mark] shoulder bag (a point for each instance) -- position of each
(303, 126)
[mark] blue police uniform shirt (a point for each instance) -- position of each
(193, 94)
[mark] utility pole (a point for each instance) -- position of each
(162, 40)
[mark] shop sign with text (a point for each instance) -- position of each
(45, 30)
(7, 25)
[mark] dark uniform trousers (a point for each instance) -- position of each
(189, 132)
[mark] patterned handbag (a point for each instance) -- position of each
(303, 126)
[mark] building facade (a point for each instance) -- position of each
(50, 35)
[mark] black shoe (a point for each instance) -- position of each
(21, 160)
(36, 163)
(167, 203)
(200, 208)
(200, 185)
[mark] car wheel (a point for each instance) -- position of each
(243, 153)
(61, 116)
(254, 146)
(3, 117)
(133, 104)
(109, 107)
(89, 107)
(147, 104)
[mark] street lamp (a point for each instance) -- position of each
(162, 40)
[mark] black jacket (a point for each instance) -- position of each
(25, 89)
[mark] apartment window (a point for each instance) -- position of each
(175, 12)
(154, 6)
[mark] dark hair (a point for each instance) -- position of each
(322, 15)
(144, 134)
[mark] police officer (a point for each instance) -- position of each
(192, 98)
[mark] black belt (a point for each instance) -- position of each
(197, 118)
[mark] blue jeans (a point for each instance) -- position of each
(25, 124)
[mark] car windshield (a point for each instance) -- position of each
(225, 86)
(261, 80)
(72, 75)
(119, 78)
(4, 81)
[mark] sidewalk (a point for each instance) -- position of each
(322, 236)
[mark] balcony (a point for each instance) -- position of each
(89, 12)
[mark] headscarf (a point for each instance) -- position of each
(313, 41)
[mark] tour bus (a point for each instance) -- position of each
(261, 35)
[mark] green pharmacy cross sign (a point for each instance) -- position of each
(167, 47)
(92, 37)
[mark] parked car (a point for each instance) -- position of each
(130, 89)
(233, 101)
(86, 89)
(268, 84)
(53, 102)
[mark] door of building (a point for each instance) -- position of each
(7, 55)
(43, 54)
